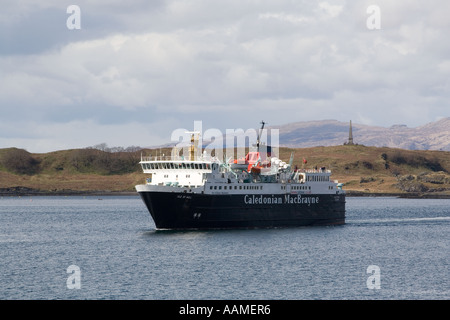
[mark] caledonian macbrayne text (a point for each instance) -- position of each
(287, 199)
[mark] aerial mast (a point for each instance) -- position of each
(259, 135)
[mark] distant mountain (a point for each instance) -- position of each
(432, 136)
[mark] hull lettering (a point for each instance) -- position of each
(288, 199)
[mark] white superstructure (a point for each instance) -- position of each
(176, 172)
(208, 175)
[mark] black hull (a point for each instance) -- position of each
(171, 210)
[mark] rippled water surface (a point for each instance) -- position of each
(120, 255)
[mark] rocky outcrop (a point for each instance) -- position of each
(424, 182)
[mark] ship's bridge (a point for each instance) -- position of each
(176, 171)
(315, 175)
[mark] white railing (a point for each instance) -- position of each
(176, 158)
(314, 170)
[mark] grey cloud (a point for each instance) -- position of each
(224, 61)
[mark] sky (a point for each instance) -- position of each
(135, 71)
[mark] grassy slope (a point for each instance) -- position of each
(360, 168)
(75, 170)
(365, 169)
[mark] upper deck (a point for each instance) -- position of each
(149, 166)
(176, 170)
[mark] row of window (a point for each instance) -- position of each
(167, 176)
(317, 178)
(236, 187)
(297, 187)
(256, 187)
(172, 165)
(300, 187)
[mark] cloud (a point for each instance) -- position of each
(231, 63)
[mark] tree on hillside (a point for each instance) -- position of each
(104, 147)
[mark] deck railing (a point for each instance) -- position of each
(176, 158)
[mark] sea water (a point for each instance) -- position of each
(108, 248)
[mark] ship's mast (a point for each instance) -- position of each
(259, 135)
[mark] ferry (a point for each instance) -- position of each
(198, 191)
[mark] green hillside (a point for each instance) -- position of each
(362, 169)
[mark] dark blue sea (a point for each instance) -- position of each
(108, 248)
